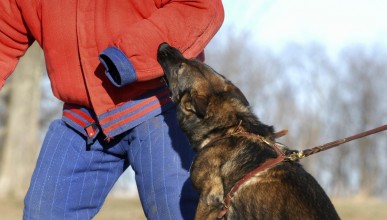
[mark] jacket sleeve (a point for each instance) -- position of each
(185, 24)
(14, 38)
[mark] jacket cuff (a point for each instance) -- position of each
(118, 68)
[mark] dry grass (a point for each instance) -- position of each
(361, 209)
(113, 209)
(121, 209)
(130, 209)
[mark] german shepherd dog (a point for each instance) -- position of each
(230, 142)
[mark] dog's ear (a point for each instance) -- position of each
(195, 103)
(200, 103)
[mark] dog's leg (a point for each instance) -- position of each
(210, 186)
(212, 194)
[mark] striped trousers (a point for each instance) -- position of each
(71, 182)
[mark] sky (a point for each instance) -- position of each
(332, 23)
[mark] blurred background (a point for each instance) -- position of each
(316, 68)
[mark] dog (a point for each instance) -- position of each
(231, 142)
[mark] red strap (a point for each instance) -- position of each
(267, 164)
(91, 130)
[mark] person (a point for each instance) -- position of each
(101, 60)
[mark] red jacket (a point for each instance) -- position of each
(73, 33)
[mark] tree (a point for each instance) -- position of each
(21, 137)
(366, 78)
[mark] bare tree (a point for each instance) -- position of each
(21, 138)
(366, 81)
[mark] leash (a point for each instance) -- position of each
(282, 157)
(307, 152)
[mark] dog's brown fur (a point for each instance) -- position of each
(208, 107)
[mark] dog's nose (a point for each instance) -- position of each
(167, 53)
(163, 46)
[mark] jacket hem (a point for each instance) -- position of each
(120, 119)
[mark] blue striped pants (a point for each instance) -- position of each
(70, 182)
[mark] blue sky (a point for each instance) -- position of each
(333, 23)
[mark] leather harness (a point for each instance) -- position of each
(281, 156)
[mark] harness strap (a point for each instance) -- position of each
(267, 164)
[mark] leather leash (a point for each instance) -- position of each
(307, 152)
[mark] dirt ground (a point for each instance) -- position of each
(130, 209)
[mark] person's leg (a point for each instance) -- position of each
(161, 156)
(68, 181)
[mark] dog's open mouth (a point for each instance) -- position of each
(170, 60)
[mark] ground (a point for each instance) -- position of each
(130, 209)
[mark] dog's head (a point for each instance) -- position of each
(207, 103)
